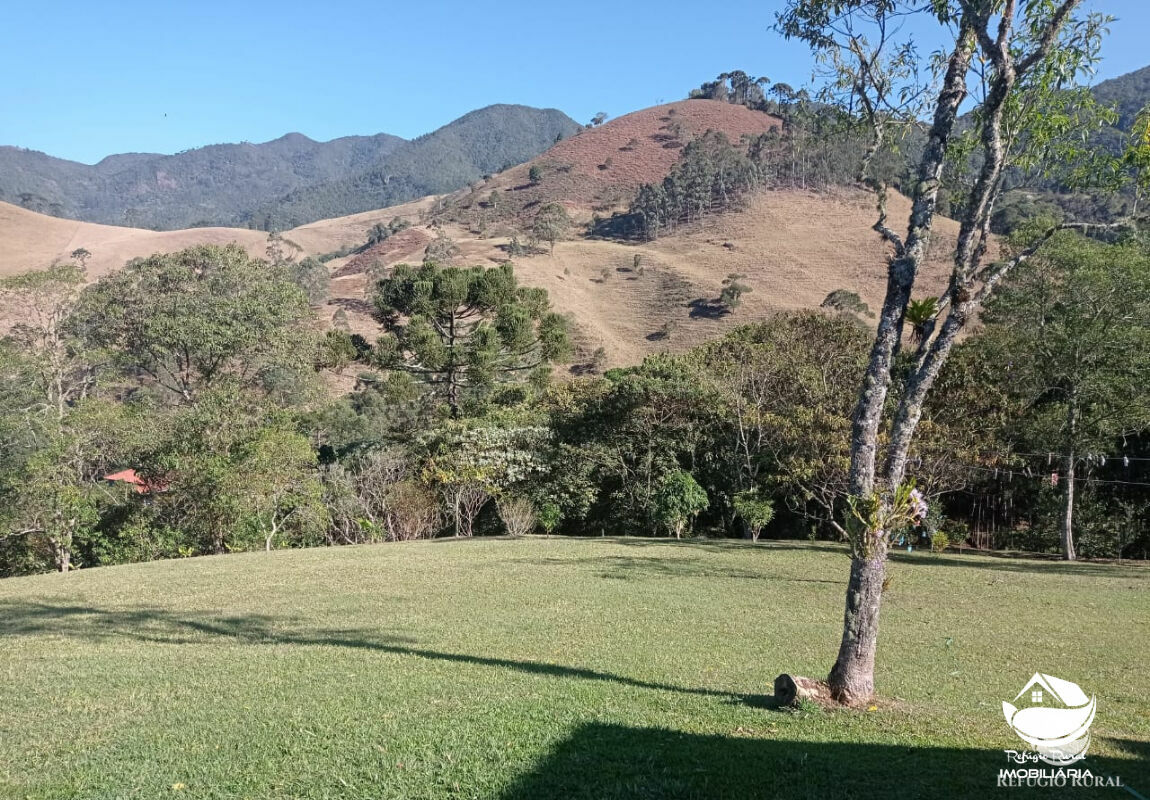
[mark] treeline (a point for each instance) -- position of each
(819, 146)
(178, 408)
(813, 148)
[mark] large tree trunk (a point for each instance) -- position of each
(63, 557)
(1068, 519)
(852, 678)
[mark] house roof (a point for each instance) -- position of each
(126, 476)
(142, 486)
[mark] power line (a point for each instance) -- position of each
(1043, 477)
(1090, 456)
(1101, 459)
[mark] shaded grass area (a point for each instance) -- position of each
(548, 668)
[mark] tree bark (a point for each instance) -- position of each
(1068, 552)
(852, 678)
(452, 382)
(903, 268)
(63, 558)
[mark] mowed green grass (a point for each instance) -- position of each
(549, 668)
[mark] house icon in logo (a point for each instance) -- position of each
(1057, 720)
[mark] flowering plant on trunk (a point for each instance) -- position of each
(875, 517)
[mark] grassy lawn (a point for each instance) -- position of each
(549, 668)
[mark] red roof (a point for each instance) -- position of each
(125, 475)
(130, 476)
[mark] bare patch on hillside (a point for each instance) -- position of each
(599, 169)
(405, 245)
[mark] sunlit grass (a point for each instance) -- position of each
(547, 668)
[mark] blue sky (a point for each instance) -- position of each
(85, 79)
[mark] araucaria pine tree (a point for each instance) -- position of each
(465, 330)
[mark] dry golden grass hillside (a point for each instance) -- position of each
(599, 169)
(793, 247)
(630, 299)
(33, 241)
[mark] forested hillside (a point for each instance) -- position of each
(214, 185)
(1053, 195)
(245, 185)
(1128, 93)
(480, 143)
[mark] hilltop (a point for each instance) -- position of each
(33, 241)
(599, 169)
(480, 143)
(217, 184)
(629, 299)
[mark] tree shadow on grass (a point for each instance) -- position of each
(354, 305)
(156, 625)
(726, 545)
(1024, 562)
(704, 308)
(601, 761)
(655, 567)
(974, 559)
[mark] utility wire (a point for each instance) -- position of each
(1044, 477)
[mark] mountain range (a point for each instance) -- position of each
(282, 183)
(294, 180)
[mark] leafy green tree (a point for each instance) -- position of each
(621, 435)
(381, 231)
(463, 331)
(236, 473)
(441, 250)
(710, 175)
(280, 251)
(311, 276)
(756, 509)
(784, 412)
(471, 462)
(41, 303)
(280, 484)
(55, 439)
(57, 495)
(1070, 332)
(846, 300)
(550, 515)
(551, 224)
(535, 174)
(184, 321)
(337, 350)
(678, 500)
(731, 296)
